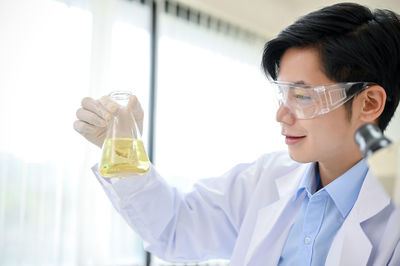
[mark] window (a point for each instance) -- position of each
(214, 106)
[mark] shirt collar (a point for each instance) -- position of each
(343, 190)
(308, 181)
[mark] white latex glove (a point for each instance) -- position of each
(95, 115)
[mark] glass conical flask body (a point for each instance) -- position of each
(123, 153)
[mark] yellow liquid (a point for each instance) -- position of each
(123, 157)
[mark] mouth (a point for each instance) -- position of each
(291, 140)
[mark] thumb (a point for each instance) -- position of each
(135, 107)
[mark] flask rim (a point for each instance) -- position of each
(120, 95)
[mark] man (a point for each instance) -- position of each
(335, 70)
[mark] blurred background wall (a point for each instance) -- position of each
(268, 17)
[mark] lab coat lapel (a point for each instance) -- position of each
(351, 245)
(273, 221)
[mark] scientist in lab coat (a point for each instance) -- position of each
(334, 70)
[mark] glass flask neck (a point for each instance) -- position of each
(120, 97)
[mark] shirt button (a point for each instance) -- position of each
(307, 240)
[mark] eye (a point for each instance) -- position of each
(302, 97)
(303, 101)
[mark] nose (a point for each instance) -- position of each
(284, 115)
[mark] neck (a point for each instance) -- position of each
(330, 170)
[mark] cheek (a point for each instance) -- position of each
(330, 134)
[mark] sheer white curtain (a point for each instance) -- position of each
(214, 105)
(52, 210)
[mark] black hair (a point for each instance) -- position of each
(354, 43)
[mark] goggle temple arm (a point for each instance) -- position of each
(323, 99)
(337, 97)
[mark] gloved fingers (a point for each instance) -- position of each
(84, 128)
(109, 105)
(90, 118)
(92, 133)
(135, 107)
(96, 107)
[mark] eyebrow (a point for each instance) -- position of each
(300, 82)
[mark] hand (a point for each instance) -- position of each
(95, 115)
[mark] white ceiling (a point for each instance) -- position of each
(268, 17)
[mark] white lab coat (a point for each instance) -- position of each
(246, 214)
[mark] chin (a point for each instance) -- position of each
(300, 157)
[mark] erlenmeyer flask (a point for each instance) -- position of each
(123, 153)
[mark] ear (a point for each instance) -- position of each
(371, 103)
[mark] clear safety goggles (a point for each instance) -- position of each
(306, 102)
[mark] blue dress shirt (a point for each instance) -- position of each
(321, 215)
